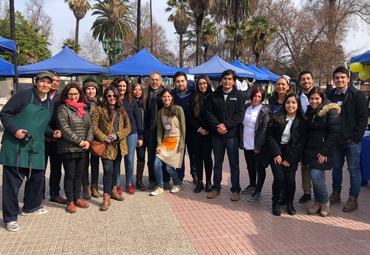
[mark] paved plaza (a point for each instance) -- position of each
(189, 223)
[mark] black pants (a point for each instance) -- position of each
(94, 162)
(55, 169)
(203, 153)
(281, 178)
(140, 154)
(11, 185)
(73, 177)
(255, 170)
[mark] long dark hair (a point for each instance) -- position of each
(118, 106)
(128, 95)
(172, 111)
(321, 93)
(280, 116)
(199, 97)
(71, 85)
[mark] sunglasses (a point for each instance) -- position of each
(110, 96)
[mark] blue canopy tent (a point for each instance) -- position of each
(257, 75)
(264, 69)
(143, 63)
(255, 69)
(215, 66)
(7, 45)
(66, 62)
(363, 58)
(6, 68)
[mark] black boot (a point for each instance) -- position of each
(139, 176)
(290, 208)
(276, 208)
(208, 186)
(199, 187)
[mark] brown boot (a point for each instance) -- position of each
(86, 191)
(314, 209)
(139, 176)
(106, 202)
(325, 209)
(94, 190)
(115, 195)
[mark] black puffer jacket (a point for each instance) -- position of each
(323, 129)
(74, 130)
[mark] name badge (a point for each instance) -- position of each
(340, 103)
(233, 98)
(167, 126)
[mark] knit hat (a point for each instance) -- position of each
(89, 83)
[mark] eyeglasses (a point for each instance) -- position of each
(73, 94)
(110, 96)
(202, 83)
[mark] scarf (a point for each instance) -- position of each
(78, 106)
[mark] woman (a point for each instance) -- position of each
(111, 125)
(134, 139)
(77, 135)
(200, 132)
(171, 141)
(139, 96)
(285, 138)
(90, 89)
(253, 139)
(283, 88)
(323, 124)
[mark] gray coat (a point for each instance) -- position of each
(74, 130)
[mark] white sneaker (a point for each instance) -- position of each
(39, 211)
(175, 188)
(12, 226)
(157, 191)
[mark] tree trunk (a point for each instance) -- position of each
(199, 21)
(257, 58)
(151, 27)
(181, 51)
(76, 34)
(12, 36)
(205, 52)
(236, 28)
(138, 25)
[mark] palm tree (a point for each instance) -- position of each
(79, 8)
(209, 35)
(138, 24)
(200, 9)
(181, 19)
(71, 43)
(238, 42)
(259, 34)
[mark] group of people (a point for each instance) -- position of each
(130, 118)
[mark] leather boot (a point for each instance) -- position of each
(199, 187)
(86, 191)
(115, 195)
(95, 191)
(290, 208)
(276, 208)
(208, 187)
(314, 209)
(106, 202)
(325, 209)
(139, 176)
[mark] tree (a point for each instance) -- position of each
(138, 24)
(70, 42)
(31, 45)
(200, 9)
(180, 17)
(209, 35)
(79, 8)
(259, 33)
(92, 50)
(39, 19)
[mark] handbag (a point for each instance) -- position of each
(97, 147)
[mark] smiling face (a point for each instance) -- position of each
(291, 106)
(90, 92)
(227, 82)
(43, 86)
(181, 83)
(111, 98)
(55, 83)
(281, 86)
(306, 82)
(122, 86)
(257, 99)
(315, 100)
(155, 81)
(166, 99)
(73, 95)
(341, 81)
(137, 92)
(202, 85)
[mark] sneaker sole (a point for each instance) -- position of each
(253, 200)
(34, 213)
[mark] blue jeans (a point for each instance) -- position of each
(231, 145)
(131, 141)
(352, 154)
(159, 174)
(319, 187)
(111, 168)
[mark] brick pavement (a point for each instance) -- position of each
(189, 223)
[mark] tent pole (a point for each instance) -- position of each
(16, 88)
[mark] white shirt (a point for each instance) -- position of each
(304, 102)
(249, 124)
(286, 134)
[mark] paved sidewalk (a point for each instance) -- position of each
(189, 223)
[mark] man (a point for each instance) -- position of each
(182, 96)
(25, 118)
(225, 111)
(353, 125)
(51, 148)
(306, 82)
(153, 104)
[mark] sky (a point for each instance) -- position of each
(64, 22)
